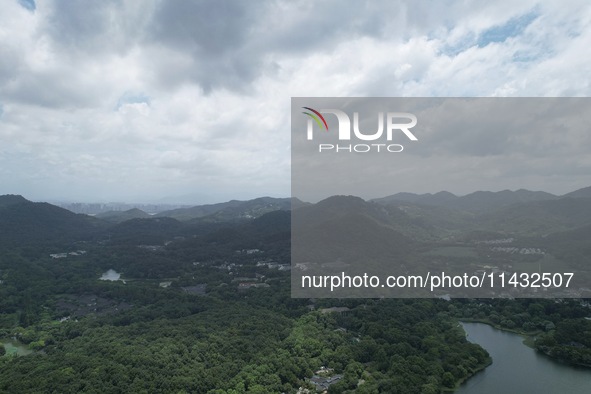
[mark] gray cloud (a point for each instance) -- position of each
(213, 34)
(82, 28)
(159, 97)
(463, 145)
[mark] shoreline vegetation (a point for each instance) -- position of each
(477, 369)
(530, 340)
(527, 334)
(481, 366)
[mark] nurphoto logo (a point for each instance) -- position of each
(397, 123)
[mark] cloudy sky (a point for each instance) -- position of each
(145, 101)
(463, 145)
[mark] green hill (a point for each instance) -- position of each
(121, 216)
(23, 222)
(539, 217)
(348, 228)
(232, 210)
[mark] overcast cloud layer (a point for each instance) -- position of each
(142, 100)
(463, 144)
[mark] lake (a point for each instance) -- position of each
(13, 346)
(111, 275)
(519, 369)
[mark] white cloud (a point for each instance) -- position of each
(217, 92)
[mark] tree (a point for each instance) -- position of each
(448, 380)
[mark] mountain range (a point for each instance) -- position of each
(404, 234)
(480, 201)
(233, 209)
(403, 218)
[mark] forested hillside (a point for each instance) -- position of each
(204, 306)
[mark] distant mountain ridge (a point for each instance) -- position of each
(439, 198)
(539, 217)
(233, 209)
(580, 193)
(475, 202)
(521, 212)
(23, 222)
(480, 200)
(121, 216)
(349, 228)
(11, 199)
(400, 217)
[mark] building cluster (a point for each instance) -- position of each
(249, 251)
(513, 250)
(274, 265)
(496, 241)
(66, 254)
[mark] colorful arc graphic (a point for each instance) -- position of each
(317, 116)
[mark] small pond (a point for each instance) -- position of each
(14, 346)
(111, 275)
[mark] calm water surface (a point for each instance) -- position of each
(519, 369)
(111, 275)
(13, 346)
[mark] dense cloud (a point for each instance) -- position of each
(143, 100)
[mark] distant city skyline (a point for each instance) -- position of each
(174, 101)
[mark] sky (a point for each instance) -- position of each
(189, 101)
(460, 144)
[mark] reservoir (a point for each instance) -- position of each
(518, 369)
(111, 275)
(13, 346)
